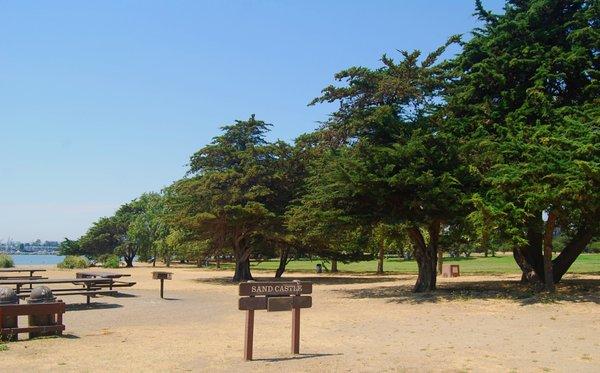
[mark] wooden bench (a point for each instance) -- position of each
(31, 271)
(23, 278)
(55, 309)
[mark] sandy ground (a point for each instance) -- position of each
(357, 323)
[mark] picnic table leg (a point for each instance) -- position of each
(31, 275)
(162, 282)
(59, 321)
(88, 285)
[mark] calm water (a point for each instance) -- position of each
(37, 259)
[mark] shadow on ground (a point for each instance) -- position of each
(569, 290)
(317, 280)
(295, 357)
(91, 306)
(124, 295)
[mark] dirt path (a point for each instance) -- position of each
(357, 323)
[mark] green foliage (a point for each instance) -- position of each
(525, 104)
(72, 262)
(109, 261)
(391, 159)
(529, 115)
(103, 237)
(70, 247)
(464, 155)
(6, 261)
(594, 247)
(236, 193)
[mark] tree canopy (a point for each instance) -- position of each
(495, 147)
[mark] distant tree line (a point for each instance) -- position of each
(497, 148)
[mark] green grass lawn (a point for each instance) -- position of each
(586, 263)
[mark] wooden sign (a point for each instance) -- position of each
(260, 303)
(275, 288)
(274, 297)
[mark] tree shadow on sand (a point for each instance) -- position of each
(569, 290)
(316, 280)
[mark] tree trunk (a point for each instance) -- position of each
(531, 260)
(283, 260)
(334, 267)
(562, 263)
(532, 253)
(549, 230)
(529, 275)
(485, 239)
(128, 258)
(242, 271)
(440, 261)
(380, 259)
(242, 261)
(426, 256)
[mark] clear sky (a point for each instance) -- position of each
(101, 101)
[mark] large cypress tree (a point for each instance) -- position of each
(527, 109)
(389, 158)
(235, 194)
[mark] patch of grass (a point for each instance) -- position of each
(501, 264)
(3, 347)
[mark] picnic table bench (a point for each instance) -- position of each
(92, 286)
(108, 275)
(19, 270)
(22, 277)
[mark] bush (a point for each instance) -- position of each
(593, 247)
(110, 261)
(6, 261)
(73, 262)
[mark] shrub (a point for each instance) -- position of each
(74, 262)
(593, 247)
(110, 261)
(6, 261)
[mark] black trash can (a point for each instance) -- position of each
(9, 296)
(41, 294)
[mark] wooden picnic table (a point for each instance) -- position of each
(87, 274)
(31, 270)
(20, 270)
(110, 275)
(89, 283)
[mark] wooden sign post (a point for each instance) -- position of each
(274, 297)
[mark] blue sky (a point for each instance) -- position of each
(101, 101)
